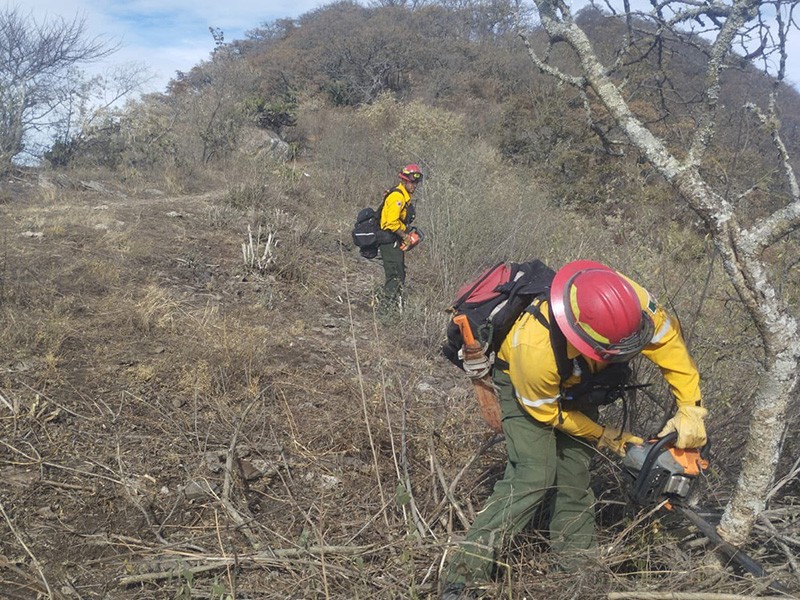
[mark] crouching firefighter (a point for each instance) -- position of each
(396, 217)
(582, 330)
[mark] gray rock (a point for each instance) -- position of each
(263, 143)
(195, 490)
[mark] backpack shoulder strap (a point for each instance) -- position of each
(389, 192)
(557, 339)
(386, 194)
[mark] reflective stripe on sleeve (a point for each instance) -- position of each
(538, 402)
(663, 330)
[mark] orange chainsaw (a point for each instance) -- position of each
(412, 240)
(662, 472)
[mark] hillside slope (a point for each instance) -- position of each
(138, 352)
(176, 425)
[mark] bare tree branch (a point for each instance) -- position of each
(742, 22)
(37, 72)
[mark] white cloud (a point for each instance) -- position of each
(167, 35)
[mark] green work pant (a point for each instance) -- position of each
(394, 265)
(539, 458)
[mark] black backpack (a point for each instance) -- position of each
(494, 301)
(492, 304)
(367, 233)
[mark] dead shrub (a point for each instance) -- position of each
(156, 309)
(278, 245)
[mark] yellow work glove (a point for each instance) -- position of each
(616, 440)
(688, 422)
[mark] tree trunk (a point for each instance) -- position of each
(767, 424)
(740, 251)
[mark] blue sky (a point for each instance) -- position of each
(166, 35)
(172, 35)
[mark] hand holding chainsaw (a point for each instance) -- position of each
(616, 440)
(688, 423)
(413, 237)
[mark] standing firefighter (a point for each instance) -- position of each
(549, 412)
(396, 217)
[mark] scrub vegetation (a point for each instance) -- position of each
(198, 399)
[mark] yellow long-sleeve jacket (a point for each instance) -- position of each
(534, 373)
(395, 209)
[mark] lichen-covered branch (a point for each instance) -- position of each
(741, 250)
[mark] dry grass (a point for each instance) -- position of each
(175, 428)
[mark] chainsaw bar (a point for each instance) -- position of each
(732, 552)
(661, 473)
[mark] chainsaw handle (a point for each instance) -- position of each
(671, 437)
(705, 451)
(652, 456)
(462, 323)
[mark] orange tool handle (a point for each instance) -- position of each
(466, 331)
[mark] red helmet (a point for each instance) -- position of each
(599, 312)
(411, 173)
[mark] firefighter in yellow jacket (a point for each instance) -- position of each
(396, 217)
(550, 421)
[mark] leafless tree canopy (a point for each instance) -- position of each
(38, 64)
(758, 30)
